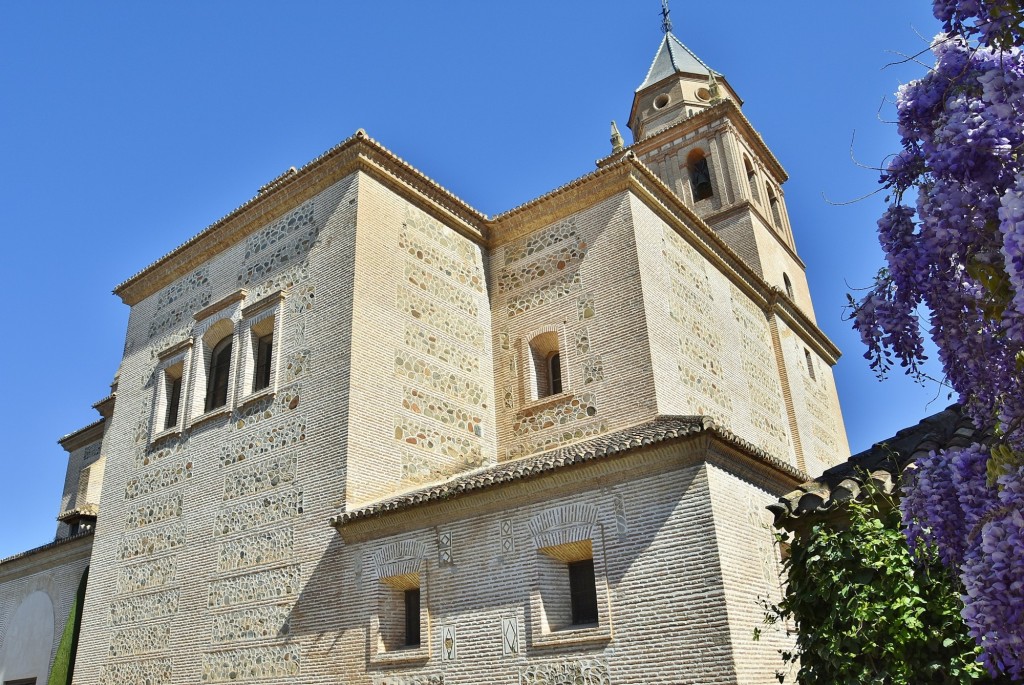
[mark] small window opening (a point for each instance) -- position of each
(218, 377)
(412, 617)
(773, 202)
(555, 373)
(751, 179)
(546, 365)
(583, 592)
(172, 389)
(264, 357)
(700, 176)
(810, 363)
(788, 284)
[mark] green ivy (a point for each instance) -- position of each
(867, 611)
(64, 660)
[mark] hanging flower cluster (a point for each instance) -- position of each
(959, 255)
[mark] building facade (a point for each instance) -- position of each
(362, 433)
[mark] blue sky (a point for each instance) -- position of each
(126, 128)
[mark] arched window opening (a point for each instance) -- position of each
(219, 375)
(546, 363)
(751, 179)
(788, 284)
(700, 175)
(773, 203)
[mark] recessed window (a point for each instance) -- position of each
(788, 284)
(751, 179)
(773, 203)
(172, 394)
(583, 592)
(810, 363)
(219, 375)
(700, 175)
(412, 617)
(545, 366)
(555, 373)
(661, 101)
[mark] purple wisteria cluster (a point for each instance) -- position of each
(960, 254)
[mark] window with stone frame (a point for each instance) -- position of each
(218, 376)
(398, 630)
(259, 354)
(751, 179)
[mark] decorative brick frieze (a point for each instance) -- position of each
(469, 274)
(284, 254)
(198, 279)
(577, 672)
(151, 672)
(464, 451)
(151, 542)
(260, 476)
(268, 509)
(271, 439)
(158, 479)
(172, 446)
(265, 547)
(455, 386)
(140, 640)
(442, 411)
(266, 408)
(419, 339)
(398, 558)
(251, 663)
(271, 585)
(441, 289)
(282, 281)
(153, 511)
(298, 220)
(143, 608)
(179, 314)
(540, 240)
(441, 235)
(449, 322)
(253, 623)
(573, 408)
(556, 262)
(552, 291)
(149, 575)
(564, 524)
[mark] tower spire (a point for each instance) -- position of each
(617, 142)
(666, 22)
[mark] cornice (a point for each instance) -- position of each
(358, 152)
(649, 187)
(36, 559)
(726, 108)
(83, 436)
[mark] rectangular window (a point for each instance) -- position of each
(583, 592)
(264, 362)
(810, 363)
(173, 401)
(412, 617)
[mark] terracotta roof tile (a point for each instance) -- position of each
(658, 430)
(882, 463)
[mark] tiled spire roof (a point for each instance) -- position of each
(673, 57)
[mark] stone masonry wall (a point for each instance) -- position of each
(421, 350)
(576, 278)
(712, 347)
(209, 529)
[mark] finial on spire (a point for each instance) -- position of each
(716, 95)
(666, 22)
(617, 143)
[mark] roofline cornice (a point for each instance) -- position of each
(726, 108)
(358, 152)
(83, 436)
(707, 443)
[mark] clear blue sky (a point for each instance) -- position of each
(125, 128)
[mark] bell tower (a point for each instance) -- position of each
(688, 127)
